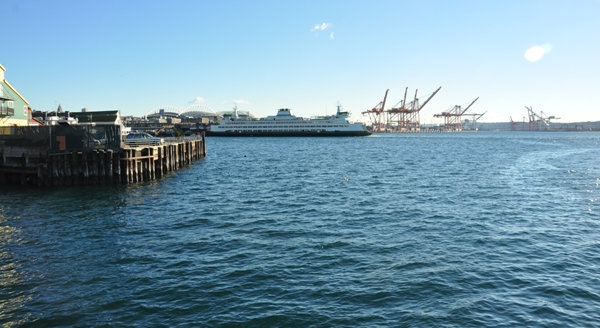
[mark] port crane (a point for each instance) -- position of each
(404, 117)
(376, 115)
(453, 117)
(533, 123)
(538, 121)
(513, 124)
(473, 120)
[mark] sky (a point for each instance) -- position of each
(139, 56)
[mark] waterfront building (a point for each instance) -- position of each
(14, 108)
(105, 117)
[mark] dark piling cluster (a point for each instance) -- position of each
(33, 166)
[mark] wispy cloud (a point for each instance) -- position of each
(321, 27)
(241, 102)
(198, 100)
(535, 53)
(331, 36)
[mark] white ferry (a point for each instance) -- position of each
(284, 124)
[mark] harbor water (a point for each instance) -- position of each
(442, 230)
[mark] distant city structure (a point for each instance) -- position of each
(188, 113)
(241, 115)
(174, 121)
(524, 126)
(404, 116)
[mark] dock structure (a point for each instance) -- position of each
(24, 161)
(453, 117)
(402, 117)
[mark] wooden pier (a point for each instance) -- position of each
(35, 166)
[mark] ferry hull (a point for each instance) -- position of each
(284, 124)
(289, 134)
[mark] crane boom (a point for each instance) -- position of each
(428, 99)
(384, 98)
(469, 106)
(415, 101)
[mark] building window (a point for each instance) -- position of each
(25, 111)
(10, 111)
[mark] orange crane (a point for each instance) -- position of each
(376, 115)
(404, 117)
(453, 117)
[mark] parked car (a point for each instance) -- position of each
(142, 139)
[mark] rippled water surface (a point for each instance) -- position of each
(446, 230)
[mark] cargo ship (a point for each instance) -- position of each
(284, 124)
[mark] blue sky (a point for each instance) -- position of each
(137, 56)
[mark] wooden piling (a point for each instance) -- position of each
(125, 166)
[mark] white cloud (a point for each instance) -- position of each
(198, 100)
(535, 53)
(331, 36)
(321, 27)
(241, 102)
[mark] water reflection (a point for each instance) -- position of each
(57, 250)
(11, 279)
